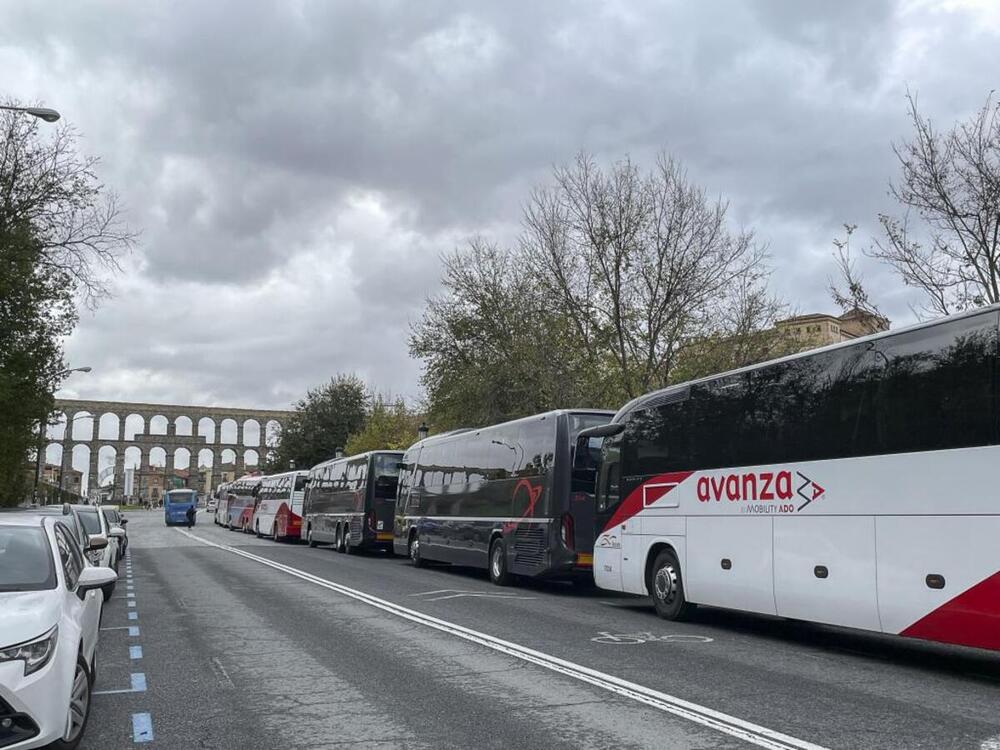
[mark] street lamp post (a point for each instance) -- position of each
(423, 431)
(42, 113)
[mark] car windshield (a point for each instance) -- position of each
(25, 560)
(91, 522)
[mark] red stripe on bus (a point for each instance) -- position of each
(970, 619)
(633, 503)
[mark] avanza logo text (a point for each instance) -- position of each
(761, 486)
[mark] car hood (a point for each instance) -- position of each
(25, 615)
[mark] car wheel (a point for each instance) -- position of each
(108, 590)
(414, 550)
(79, 708)
(498, 563)
(666, 586)
(309, 538)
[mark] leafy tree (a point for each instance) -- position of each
(36, 311)
(951, 181)
(492, 349)
(321, 423)
(390, 425)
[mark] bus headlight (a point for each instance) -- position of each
(35, 654)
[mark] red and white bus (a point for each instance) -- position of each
(279, 505)
(854, 485)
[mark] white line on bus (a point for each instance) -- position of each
(730, 725)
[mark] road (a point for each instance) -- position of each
(244, 643)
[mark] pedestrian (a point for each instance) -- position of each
(190, 516)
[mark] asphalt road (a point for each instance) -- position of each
(244, 643)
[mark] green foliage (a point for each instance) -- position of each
(492, 349)
(390, 425)
(322, 422)
(36, 311)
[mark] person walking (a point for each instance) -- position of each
(190, 516)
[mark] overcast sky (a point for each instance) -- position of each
(297, 168)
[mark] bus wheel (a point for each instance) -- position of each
(498, 564)
(414, 549)
(338, 539)
(256, 529)
(309, 538)
(667, 587)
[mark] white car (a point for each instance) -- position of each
(97, 527)
(50, 611)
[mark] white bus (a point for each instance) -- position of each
(854, 485)
(279, 505)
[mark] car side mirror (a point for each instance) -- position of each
(116, 532)
(94, 578)
(97, 541)
(123, 522)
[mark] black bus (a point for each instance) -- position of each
(350, 501)
(499, 498)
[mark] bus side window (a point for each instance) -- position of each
(609, 478)
(586, 459)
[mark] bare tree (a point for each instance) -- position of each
(849, 292)
(638, 262)
(951, 181)
(50, 190)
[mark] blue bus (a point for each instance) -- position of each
(176, 504)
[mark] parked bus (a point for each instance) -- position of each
(176, 504)
(853, 485)
(241, 499)
(279, 505)
(499, 498)
(221, 504)
(350, 501)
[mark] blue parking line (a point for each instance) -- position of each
(142, 728)
(133, 630)
(131, 602)
(133, 615)
(135, 652)
(138, 682)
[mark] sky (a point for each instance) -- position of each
(296, 169)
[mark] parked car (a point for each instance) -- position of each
(114, 518)
(97, 527)
(49, 618)
(71, 517)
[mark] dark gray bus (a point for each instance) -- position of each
(499, 498)
(350, 501)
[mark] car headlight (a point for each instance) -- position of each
(35, 654)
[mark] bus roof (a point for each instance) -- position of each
(357, 456)
(638, 401)
(432, 439)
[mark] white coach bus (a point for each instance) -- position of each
(854, 485)
(279, 505)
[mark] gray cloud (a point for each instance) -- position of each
(298, 167)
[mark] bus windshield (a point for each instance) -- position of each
(180, 497)
(580, 422)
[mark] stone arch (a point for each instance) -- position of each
(158, 425)
(109, 426)
(206, 458)
(206, 429)
(251, 457)
(107, 456)
(183, 426)
(228, 431)
(157, 456)
(133, 457)
(81, 426)
(182, 459)
(80, 461)
(56, 428)
(251, 433)
(134, 425)
(54, 454)
(227, 457)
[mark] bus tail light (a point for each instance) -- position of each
(567, 530)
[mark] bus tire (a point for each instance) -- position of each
(256, 529)
(498, 563)
(413, 548)
(309, 538)
(338, 538)
(666, 587)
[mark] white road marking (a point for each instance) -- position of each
(459, 593)
(733, 726)
(993, 743)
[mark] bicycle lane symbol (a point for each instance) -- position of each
(632, 639)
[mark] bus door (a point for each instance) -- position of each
(384, 484)
(607, 500)
(583, 482)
